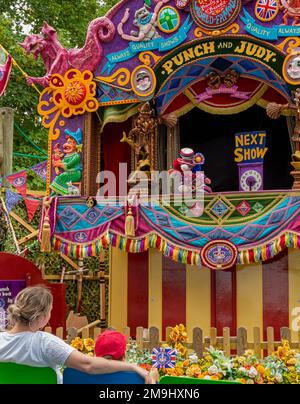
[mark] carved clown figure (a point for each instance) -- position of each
(71, 163)
(183, 166)
(190, 162)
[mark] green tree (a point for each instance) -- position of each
(70, 18)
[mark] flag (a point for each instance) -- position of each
(164, 358)
(41, 170)
(32, 206)
(4, 74)
(11, 199)
(18, 180)
(266, 10)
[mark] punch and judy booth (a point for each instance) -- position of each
(180, 85)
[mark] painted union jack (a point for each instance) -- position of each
(266, 10)
(164, 358)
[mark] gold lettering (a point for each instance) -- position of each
(261, 153)
(188, 54)
(241, 48)
(178, 59)
(260, 52)
(261, 138)
(168, 66)
(208, 47)
(198, 51)
(269, 55)
(247, 140)
(247, 154)
(239, 141)
(239, 155)
(251, 49)
(253, 138)
(253, 153)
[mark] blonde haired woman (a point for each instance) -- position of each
(25, 344)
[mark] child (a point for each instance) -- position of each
(111, 345)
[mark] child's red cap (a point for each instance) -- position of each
(111, 343)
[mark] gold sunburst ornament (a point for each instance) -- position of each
(68, 95)
(74, 93)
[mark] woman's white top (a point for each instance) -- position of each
(39, 349)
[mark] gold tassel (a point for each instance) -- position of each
(129, 224)
(46, 230)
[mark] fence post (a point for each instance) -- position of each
(198, 341)
(168, 331)
(270, 339)
(97, 331)
(154, 338)
(257, 341)
(285, 333)
(226, 341)
(60, 332)
(242, 343)
(213, 337)
(85, 332)
(126, 331)
(140, 337)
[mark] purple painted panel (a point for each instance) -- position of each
(8, 292)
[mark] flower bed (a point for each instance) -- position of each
(282, 367)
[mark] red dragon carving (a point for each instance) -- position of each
(57, 59)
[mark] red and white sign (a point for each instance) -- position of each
(215, 14)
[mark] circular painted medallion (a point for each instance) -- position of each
(215, 14)
(291, 68)
(80, 237)
(219, 254)
(143, 81)
(266, 10)
(168, 19)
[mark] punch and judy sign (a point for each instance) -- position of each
(230, 45)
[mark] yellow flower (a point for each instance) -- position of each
(77, 343)
(249, 352)
(180, 349)
(291, 362)
(174, 371)
(193, 371)
(89, 344)
(179, 371)
(178, 334)
(260, 369)
(170, 372)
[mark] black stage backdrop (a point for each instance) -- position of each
(213, 135)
